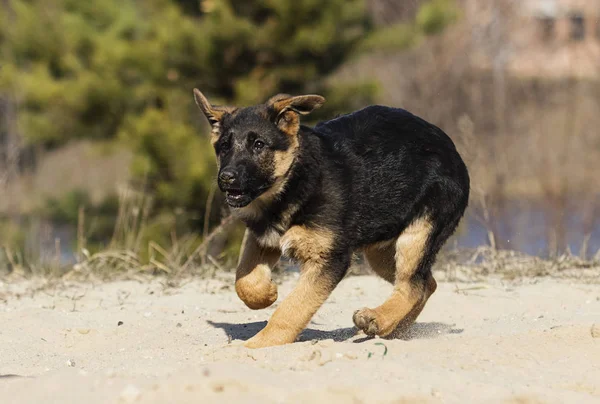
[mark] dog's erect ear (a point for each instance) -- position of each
(213, 113)
(284, 110)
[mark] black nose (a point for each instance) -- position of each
(227, 176)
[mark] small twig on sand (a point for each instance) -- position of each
(75, 299)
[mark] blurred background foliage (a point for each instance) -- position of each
(105, 159)
(120, 73)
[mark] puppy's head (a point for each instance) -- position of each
(255, 146)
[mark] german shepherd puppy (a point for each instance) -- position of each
(379, 181)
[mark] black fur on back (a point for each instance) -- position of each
(369, 174)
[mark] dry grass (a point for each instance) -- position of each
(129, 253)
(176, 262)
(186, 259)
(533, 140)
(477, 265)
(126, 255)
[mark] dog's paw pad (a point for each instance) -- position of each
(366, 320)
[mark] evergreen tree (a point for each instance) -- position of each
(123, 71)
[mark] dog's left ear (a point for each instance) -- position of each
(284, 110)
(213, 113)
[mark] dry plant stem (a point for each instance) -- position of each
(134, 209)
(120, 217)
(215, 263)
(201, 249)
(9, 257)
(152, 246)
(585, 245)
(13, 144)
(209, 201)
(146, 207)
(160, 265)
(133, 229)
(486, 220)
(589, 223)
(81, 242)
(56, 253)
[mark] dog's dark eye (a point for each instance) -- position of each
(259, 144)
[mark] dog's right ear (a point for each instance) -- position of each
(213, 113)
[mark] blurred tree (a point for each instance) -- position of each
(270, 46)
(435, 15)
(123, 70)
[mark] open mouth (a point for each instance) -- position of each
(237, 198)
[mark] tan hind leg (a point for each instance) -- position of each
(381, 259)
(410, 292)
(253, 282)
(430, 287)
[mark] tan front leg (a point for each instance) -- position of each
(318, 278)
(253, 282)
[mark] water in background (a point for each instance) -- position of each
(523, 228)
(526, 228)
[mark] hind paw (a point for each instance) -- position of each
(366, 320)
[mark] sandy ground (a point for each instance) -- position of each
(133, 341)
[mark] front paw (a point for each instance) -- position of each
(256, 289)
